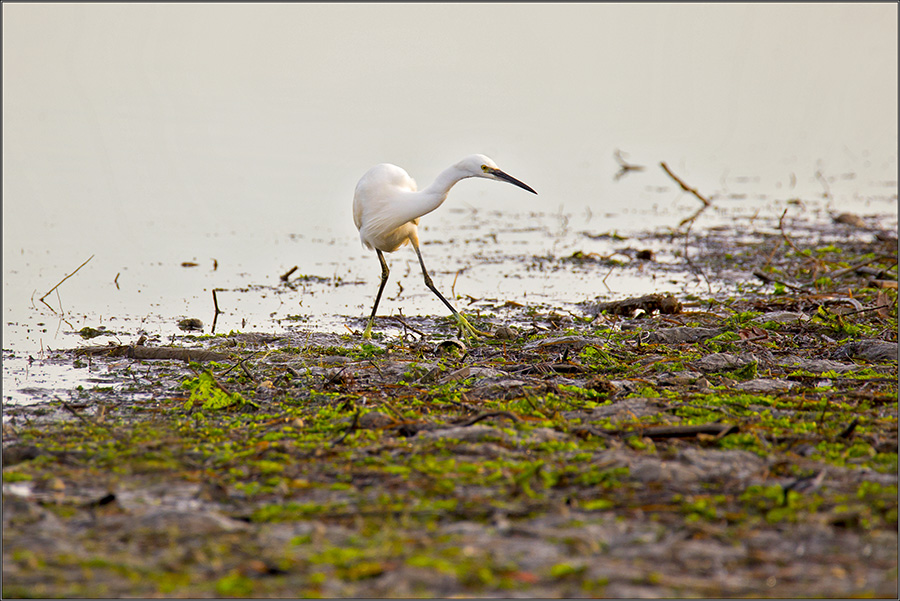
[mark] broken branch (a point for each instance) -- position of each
(684, 186)
(152, 352)
(285, 276)
(63, 280)
(406, 325)
(769, 280)
(216, 316)
(481, 416)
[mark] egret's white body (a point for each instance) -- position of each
(378, 207)
(387, 206)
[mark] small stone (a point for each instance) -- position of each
(781, 317)
(88, 332)
(505, 333)
(601, 384)
(475, 433)
(191, 323)
(849, 219)
(681, 335)
(721, 362)
(821, 365)
(17, 453)
(539, 435)
(183, 524)
(451, 345)
(334, 360)
(470, 371)
(765, 385)
(577, 342)
(874, 351)
(678, 378)
(374, 420)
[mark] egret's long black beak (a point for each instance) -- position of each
(508, 178)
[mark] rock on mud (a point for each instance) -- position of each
(874, 351)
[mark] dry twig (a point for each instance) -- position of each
(684, 186)
(86, 421)
(216, 316)
(489, 414)
(63, 280)
(285, 276)
(406, 325)
(151, 352)
(858, 266)
(768, 279)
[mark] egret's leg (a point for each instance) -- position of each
(384, 278)
(464, 325)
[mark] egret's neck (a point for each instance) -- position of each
(424, 201)
(434, 195)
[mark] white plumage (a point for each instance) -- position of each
(387, 206)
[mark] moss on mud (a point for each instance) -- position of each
(556, 463)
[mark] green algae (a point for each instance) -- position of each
(374, 459)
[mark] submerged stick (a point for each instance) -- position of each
(284, 276)
(706, 202)
(152, 352)
(63, 280)
(406, 325)
(684, 186)
(216, 316)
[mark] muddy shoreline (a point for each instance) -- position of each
(739, 444)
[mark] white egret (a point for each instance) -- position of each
(387, 207)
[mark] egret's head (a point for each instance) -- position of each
(478, 165)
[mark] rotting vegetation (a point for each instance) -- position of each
(742, 446)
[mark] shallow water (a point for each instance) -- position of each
(480, 259)
(232, 136)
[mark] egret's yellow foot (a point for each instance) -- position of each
(367, 333)
(468, 331)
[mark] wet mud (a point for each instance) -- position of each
(739, 442)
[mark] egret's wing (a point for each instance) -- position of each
(375, 205)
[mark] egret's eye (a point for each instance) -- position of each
(485, 168)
